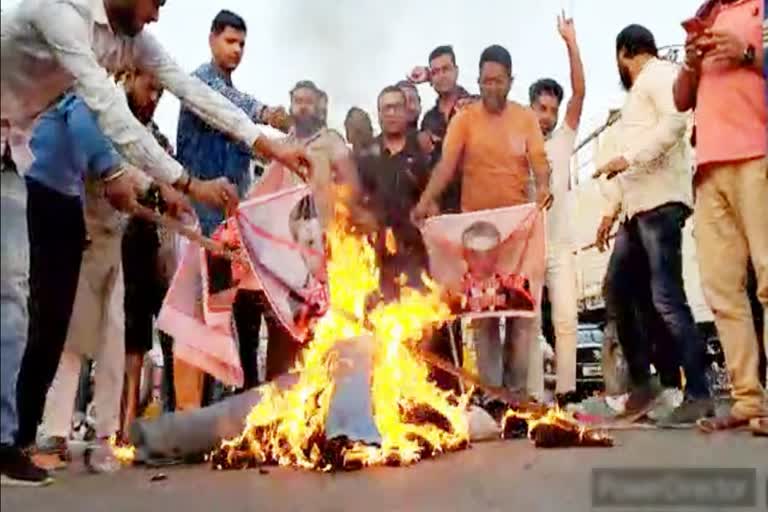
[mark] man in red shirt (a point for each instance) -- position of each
(722, 80)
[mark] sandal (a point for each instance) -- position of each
(721, 423)
(759, 426)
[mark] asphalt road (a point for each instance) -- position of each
(498, 476)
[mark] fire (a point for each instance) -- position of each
(552, 430)
(124, 453)
(414, 417)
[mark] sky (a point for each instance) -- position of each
(353, 48)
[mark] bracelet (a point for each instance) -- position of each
(182, 185)
(114, 175)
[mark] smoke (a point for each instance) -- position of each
(339, 43)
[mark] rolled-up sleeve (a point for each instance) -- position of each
(66, 30)
(210, 106)
(611, 191)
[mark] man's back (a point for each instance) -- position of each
(498, 150)
(68, 144)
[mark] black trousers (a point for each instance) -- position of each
(646, 268)
(145, 290)
(56, 238)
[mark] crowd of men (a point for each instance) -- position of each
(85, 270)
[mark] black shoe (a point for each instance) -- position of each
(569, 397)
(688, 413)
(18, 470)
(641, 400)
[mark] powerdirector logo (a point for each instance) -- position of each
(674, 487)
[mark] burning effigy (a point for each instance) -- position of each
(361, 393)
(362, 396)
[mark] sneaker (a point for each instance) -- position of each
(18, 470)
(99, 458)
(669, 400)
(641, 400)
(688, 413)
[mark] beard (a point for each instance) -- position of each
(626, 78)
(307, 125)
(121, 17)
(143, 113)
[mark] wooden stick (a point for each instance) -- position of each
(517, 401)
(593, 245)
(186, 231)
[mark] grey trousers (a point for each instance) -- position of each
(504, 363)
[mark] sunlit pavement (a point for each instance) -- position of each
(511, 476)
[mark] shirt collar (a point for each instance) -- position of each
(410, 149)
(463, 93)
(215, 69)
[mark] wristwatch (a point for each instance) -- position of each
(748, 57)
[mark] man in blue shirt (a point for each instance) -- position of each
(67, 144)
(204, 151)
(208, 154)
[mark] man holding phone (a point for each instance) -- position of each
(723, 81)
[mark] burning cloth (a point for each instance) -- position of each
(283, 239)
(491, 262)
(202, 342)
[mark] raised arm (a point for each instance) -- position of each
(578, 87)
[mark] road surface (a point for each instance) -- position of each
(510, 476)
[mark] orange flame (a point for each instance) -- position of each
(287, 427)
(124, 453)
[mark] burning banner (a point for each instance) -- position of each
(205, 344)
(282, 236)
(492, 262)
(362, 394)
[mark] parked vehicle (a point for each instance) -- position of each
(589, 358)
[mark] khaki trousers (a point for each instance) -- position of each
(731, 226)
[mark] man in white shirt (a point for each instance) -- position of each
(546, 95)
(51, 47)
(649, 185)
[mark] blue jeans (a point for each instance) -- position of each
(646, 268)
(14, 293)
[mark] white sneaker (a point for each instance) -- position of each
(669, 400)
(99, 458)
